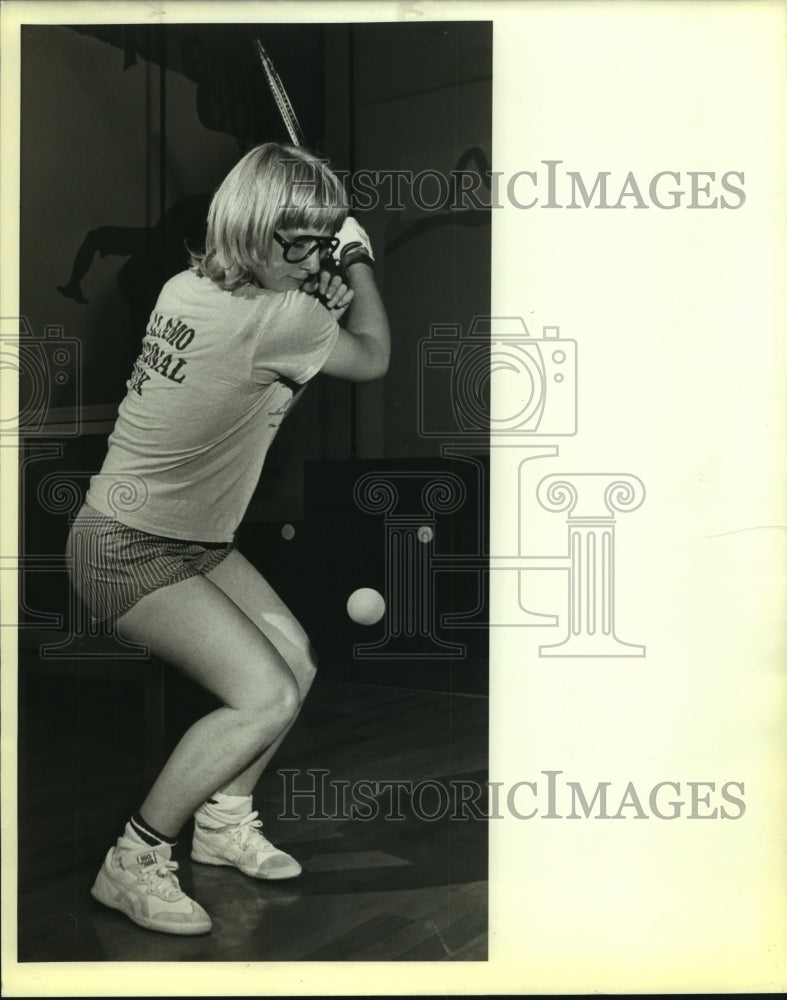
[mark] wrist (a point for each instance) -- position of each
(355, 257)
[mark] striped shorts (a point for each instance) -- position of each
(112, 565)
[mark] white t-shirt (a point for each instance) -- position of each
(215, 377)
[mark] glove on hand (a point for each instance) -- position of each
(353, 238)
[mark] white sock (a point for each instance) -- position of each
(131, 834)
(231, 803)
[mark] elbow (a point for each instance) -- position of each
(379, 367)
(383, 365)
(375, 366)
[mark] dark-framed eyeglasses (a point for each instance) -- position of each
(304, 246)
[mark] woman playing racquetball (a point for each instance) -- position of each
(228, 346)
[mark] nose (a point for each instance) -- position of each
(312, 264)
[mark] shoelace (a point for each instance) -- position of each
(248, 826)
(167, 886)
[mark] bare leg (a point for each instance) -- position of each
(241, 582)
(196, 627)
(245, 782)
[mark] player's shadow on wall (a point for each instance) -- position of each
(155, 253)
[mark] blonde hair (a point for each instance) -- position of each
(272, 187)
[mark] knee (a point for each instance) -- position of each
(288, 699)
(275, 701)
(306, 670)
(294, 645)
(303, 664)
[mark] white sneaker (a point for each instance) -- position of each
(221, 839)
(141, 883)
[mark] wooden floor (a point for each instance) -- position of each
(381, 889)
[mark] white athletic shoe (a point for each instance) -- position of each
(236, 841)
(141, 883)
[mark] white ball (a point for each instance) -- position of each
(365, 606)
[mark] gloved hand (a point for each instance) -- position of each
(353, 238)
